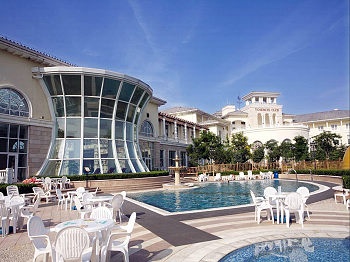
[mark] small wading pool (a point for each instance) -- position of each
(215, 195)
(293, 249)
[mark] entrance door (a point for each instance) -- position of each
(13, 163)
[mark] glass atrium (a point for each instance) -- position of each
(96, 114)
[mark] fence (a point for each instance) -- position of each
(284, 167)
(7, 176)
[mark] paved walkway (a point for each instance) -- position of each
(194, 237)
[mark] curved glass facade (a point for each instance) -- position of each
(96, 116)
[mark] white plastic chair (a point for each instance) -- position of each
(250, 175)
(241, 176)
(47, 184)
(261, 204)
(4, 213)
(305, 193)
(114, 243)
(27, 212)
(83, 210)
(16, 202)
(39, 192)
(61, 198)
(80, 191)
(12, 190)
(342, 194)
(294, 203)
(101, 212)
(72, 243)
(117, 203)
(38, 235)
(217, 177)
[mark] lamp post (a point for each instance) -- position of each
(86, 171)
(313, 153)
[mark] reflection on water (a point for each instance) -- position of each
(293, 248)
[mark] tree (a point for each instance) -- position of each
(239, 148)
(273, 151)
(300, 149)
(326, 143)
(286, 150)
(258, 154)
(207, 146)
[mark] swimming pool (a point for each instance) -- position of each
(293, 249)
(214, 195)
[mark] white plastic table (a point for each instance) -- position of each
(279, 199)
(100, 199)
(90, 225)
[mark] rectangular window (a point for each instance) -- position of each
(334, 127)
(171, 158)
(161, 158)
(320, 128)
(347, 126)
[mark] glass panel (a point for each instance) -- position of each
(126, 92)
(110, 88)
(136, 165)
(73, 106)
(121, 110)
(90, 149)
(71, 84)
(144, 99)
(119, 130)
(129, 131)
(131, 113)
(23, 132)
(93, 164)
(53, 84)
(108, 166)
(131, 150)
(3, 160)
(105, 128)
(90, 127)
(52, 168)
(3, 145)
(137, 115)
(70, 167)
(91, 106)
(21, 174)
(72, 149)
(120, 149)
(22, 146)
(60, 127)
(58, 106)
(73, 128)
(4, 130)
(124, 166)
(22, 160)
(92, 85)
(137, 95)
(59, 149)
(13, 145)
(14, 131)
(107, 106)
(13, 103)
(106, 148)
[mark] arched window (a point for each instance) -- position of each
(13, 103)
(146, 129)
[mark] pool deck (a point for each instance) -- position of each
(196, 236)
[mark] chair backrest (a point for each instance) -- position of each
(59, 194)
(117, 201)
(36, 227)
(101, 212)
(85, 198)
(38, 191)
(304, 191)
(294, 201)
(77, 203)
(131, 223)
(253, 196)
(71, 242)
(12, 190)
(80, 190)
(270, 191)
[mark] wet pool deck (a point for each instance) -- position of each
(197, 236)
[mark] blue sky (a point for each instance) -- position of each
(201, 54)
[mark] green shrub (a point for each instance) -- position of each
(326, 172)
(346, 182)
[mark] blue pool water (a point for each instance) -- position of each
(214, 195)
(293, 249)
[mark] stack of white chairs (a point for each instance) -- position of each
(48, 185)
(202, 177)
(61, 199)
